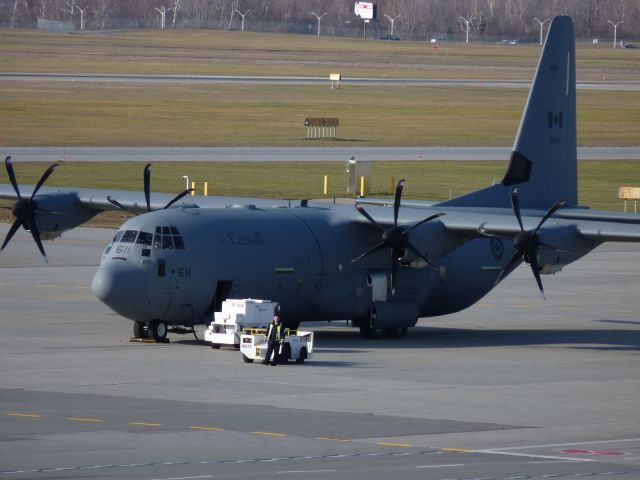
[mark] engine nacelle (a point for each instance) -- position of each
(59, 212)
(569, 246)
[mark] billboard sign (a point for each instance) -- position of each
(366, 10)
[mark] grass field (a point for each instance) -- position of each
(114, 114)
(217, 52)
(598, 181)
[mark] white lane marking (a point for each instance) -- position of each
(441, 466)
(184, 478)
(306, 471)
(632, 458)
(531, 455)
(571, 444)
(555, 461)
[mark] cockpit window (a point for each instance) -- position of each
(168, 238)
(117, 236)
(145, 238)
(129, 236)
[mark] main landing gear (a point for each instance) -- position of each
(367, 331)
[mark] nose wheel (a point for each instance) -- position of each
(157, 330)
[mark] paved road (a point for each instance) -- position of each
(514, 387)
(300, 80)
(289, 154)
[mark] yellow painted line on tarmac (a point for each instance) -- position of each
(145, 424)
(42, 285)
(392, 444)
(273, 434)
(570, 309)
(457, 450)
(29, 415)
(199, 427)
(332, 439)
(79, 419)
(620, 311)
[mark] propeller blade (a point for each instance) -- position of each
(510, 266)
(374, 249)
(178, 197)
(515, 202)
(43, 179)
(8, 163)
(415, 251)
(113, 201)
(550, 212)
(536, 273)
(147, 185)
(14, 228)
(368, 217)
(396, 202)
(394, 271)
(428, 219)
(35, 233)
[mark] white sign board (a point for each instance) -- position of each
(365, 10)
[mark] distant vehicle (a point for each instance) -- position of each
(389, 37)
(630, 45)
(507, 41)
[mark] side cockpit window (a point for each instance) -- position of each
(145, 238)
(117, 236)
(168, 238)
(129, 236)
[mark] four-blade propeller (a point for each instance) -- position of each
(526, 243)
(25, 209)
(147, 193)
(395, 238)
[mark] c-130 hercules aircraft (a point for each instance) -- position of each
(383, 267)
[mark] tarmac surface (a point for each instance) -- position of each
(301, 80)
(512, 388)
(288, 154)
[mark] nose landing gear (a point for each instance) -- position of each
(154, 330)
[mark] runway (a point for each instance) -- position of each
(289, 154)
(515, 387)
(301, 80)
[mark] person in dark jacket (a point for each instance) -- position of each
(275, 338)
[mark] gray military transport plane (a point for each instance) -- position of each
(382, 266)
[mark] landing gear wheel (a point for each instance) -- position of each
(138, 330)
(367, 331)
(303, 356)
(396, 332)
(157, 330)
(246, 359)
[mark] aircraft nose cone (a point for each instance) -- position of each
(118, 284)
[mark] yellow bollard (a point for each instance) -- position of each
(193, 188)
(392, 184)
(325, 187)
(362, 185)
(206, 189)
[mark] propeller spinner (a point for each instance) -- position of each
(26, 209)
(395, 238)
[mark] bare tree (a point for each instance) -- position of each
(467, 22)
(392, 21)
(175, 9)
(541, 23)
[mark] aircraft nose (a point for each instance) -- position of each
(118, 284)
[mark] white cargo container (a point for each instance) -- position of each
(237, 314)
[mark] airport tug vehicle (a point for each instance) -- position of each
(236, 315)
(297, 345)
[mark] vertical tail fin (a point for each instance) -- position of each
(544, 160)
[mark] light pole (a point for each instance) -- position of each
(319, 17)
(186, 180)
(615, 31)
(392, 21)
(541, 25)
(467, 22)
(242, 15)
